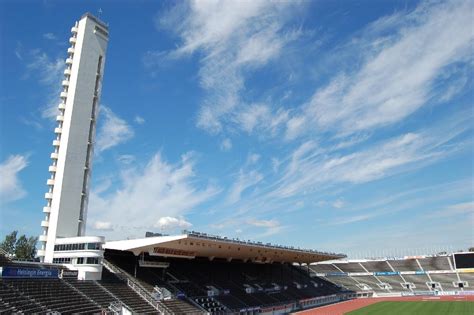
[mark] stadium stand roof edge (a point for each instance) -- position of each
(194, 244)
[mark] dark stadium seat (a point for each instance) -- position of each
(52, 294)
(376, 266)
(94, 291)
(435, 263)
(124, 293)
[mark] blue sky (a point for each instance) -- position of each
(334, 125)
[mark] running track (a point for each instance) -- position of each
(347, 306)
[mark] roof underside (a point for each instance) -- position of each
(189, 246)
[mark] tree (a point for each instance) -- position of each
(8, 244)
(25, 248)
(20, 248)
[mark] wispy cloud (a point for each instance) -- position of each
(139, 120)
(397, 74)
(244, 181)
(112, 131)
(310, 172)
(226, 145)
(10, 186)
(464, 208)
(233, 38)
(126, 158)
(49, 36)
(271, 227)
(310, 167)
(145, 194)
(49, 72)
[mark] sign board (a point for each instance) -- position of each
(386, 273)
(69, 274)
(170, 252)
(15, 272)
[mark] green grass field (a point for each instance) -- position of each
(417, 308)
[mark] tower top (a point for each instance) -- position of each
(95, 19)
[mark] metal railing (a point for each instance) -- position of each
(137, 288)
(116, 307)
(149, 298)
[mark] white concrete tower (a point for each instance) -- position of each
(67, 196)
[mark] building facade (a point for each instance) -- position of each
(70, 170)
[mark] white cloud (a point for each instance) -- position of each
(275, 164)
(263, 223)
(226, 145)
(49, 73)
(253, 158)
(310, 167)
(10, 186)
(244, 181)
(103, 226)
(464, 208)
(338, 204)
(170, 223)
(234, 38)
(272, 227)
(139, 120)
(19, 50)
(294, 126)
(144, 194)
(397, 72)
(49, 36)
(353, 219)
(112, 131)
(252, 116)
(126, 158)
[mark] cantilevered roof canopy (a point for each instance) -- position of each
(192, 244)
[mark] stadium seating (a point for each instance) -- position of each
(346, 282)
(350, 267)
(372, 282)
(404, 265)
(436, 263)
(394, 282)
(469, 277)
(324, 268)
(181, 307)
(426, 273)
(13, 301)
(418, 280)
(446, 280)
(52, 294)
(94, 291)
(119, 289)
(376, 266)
(220, 285)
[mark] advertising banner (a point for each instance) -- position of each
(360, 273)
(15, 272)
(170, 252)
(336, 274)
(440, 271)
(386, 273)
(69, 274)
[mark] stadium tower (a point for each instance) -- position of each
(68, 185)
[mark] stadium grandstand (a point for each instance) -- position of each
(192, 273)
(411, 275)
